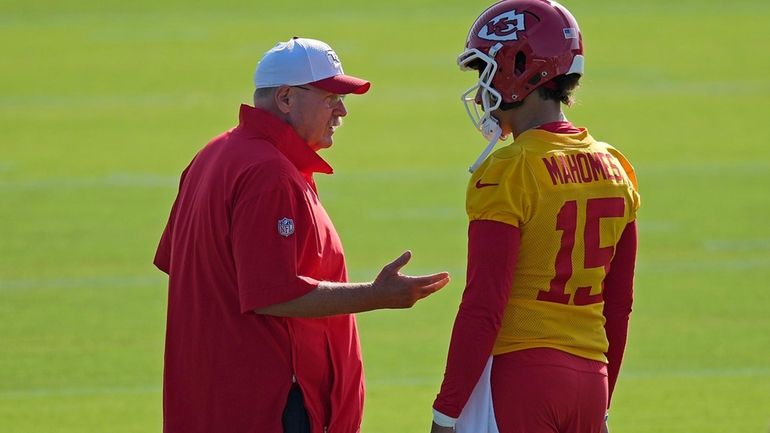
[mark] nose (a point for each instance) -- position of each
(340, 110)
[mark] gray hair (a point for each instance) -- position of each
(263, 92)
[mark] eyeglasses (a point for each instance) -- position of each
(332, 101)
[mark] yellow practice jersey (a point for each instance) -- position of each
(571, 198)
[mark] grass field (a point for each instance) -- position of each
(103, 103)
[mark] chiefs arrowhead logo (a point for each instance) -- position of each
(504, 27)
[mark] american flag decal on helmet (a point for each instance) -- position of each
(570, 33)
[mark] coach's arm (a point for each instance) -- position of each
(390, 289)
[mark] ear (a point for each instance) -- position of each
(283, 100)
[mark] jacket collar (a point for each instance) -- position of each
(258, 123)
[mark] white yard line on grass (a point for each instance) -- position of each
(77, 392)
(391, 382)
(114, 180)
(706, 373)
(108, 282)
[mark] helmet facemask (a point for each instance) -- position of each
(481, 116)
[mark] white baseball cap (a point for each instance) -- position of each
(301, 61)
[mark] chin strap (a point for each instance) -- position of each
(492, 132)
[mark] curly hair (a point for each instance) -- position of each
(560, 89)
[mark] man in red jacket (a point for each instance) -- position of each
(260, 334)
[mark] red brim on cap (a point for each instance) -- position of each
(342, 85)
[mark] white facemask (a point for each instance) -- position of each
(490, 98)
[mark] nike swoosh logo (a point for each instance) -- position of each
(484, 185)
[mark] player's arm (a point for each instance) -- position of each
(618, 297)
(390, 289)
(493, 249)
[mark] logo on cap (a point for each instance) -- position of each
(333, 58)
(503, 27)
(285, 227)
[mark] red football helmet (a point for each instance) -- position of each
(517, 46)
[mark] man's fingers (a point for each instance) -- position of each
(424, 280)
(399, 263)
(435, 287)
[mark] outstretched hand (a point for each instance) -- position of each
(397, 290)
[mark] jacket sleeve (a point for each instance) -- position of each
(267, 228)
(162, 258)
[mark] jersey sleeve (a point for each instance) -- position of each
(264, 230)
(498, 191)
(490, 273)
(631, 175)
(618, 298)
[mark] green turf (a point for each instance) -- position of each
(102, 103)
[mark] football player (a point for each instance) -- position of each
(540, 334)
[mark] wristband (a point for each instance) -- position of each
(443, 420)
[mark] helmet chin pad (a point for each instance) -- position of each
(490, 127)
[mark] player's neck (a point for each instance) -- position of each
(533, 113)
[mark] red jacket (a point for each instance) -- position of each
(247, 230)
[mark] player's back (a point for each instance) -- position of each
(571, 198)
